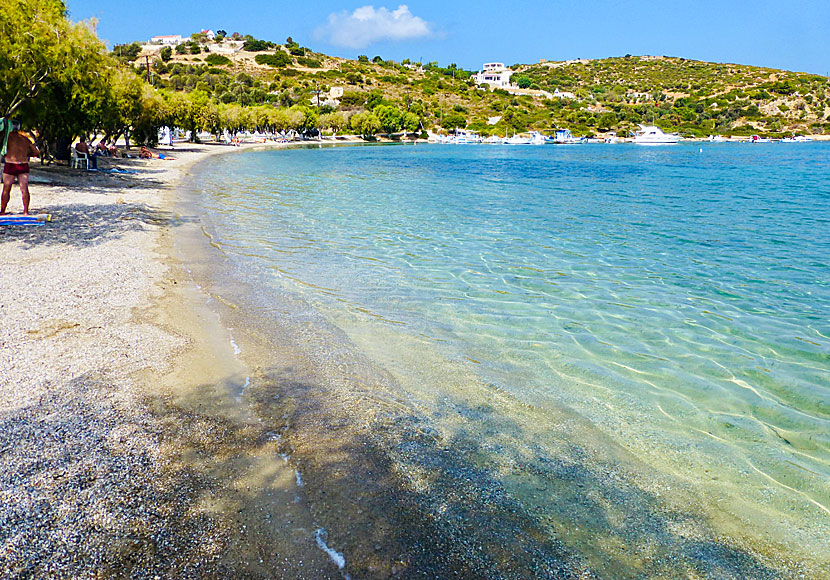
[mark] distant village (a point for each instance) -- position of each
(492, 74)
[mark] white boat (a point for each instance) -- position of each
(794, 139)
(466, 138)
(653, 135)
(536, 138)
(757, 139)
(611, 138)
(565, 137)
(517, 140)
(494, 140)
(717, 138)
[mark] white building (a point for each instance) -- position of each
(494, 74)
(169, 40)
(209, 34)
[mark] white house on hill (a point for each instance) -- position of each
(494, 74)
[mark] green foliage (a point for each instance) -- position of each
(278, 59)
(166, 54)
(524, 82)
(362, 58)
(453, 121)
(389, 117)
(218, 60)
(253, 45)
(352, 99)
(374, 99)
(126, 52)
(309, 62)
(366, 124)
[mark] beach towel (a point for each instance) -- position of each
(5, 130)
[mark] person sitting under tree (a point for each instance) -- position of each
(83, 147)
(19, 148)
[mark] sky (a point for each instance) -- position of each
(786, 34)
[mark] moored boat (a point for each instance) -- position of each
(653, 135)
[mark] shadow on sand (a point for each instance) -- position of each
(82, 225)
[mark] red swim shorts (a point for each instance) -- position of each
(16, 168)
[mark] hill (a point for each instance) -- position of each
(587, 96)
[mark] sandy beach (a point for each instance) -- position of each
(105, 471)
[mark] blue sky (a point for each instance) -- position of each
(788, 34)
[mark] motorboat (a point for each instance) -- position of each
(517, 140)
(757, 139)
(494, 140)
(537, 138)
(653, 135)
(465, 138)
(796, 139)
(717, 138)
(565, 137)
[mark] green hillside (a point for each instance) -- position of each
(613, 94)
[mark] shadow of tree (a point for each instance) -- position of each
(402, 502)
(92, 489)
(83, 225)
(83, 495)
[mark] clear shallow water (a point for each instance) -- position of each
(668, 302)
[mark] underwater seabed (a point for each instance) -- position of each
(531, 448)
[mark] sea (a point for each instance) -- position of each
(589, 360)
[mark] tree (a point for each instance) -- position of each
(362, 58)
(220, 35)
(389, 118)
(410, 122)
(254, 45)
(334, 121)
(453, 121)
(366, 124)
(524, 82)
(33, 48)
(56, 75)
(126, 52)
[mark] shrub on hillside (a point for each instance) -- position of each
(309, 62)
(253, 45)
(217, 60)
(278, 59)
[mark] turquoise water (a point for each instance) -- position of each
(664, 310)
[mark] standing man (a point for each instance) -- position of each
(19, 149)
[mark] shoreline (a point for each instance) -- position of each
(226, 515)
(115, 474)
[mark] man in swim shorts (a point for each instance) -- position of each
(19, 149)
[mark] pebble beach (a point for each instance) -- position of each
(102, 473)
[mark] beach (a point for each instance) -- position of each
(158, 421)
(105, 473)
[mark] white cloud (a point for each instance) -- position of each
(369, 24)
